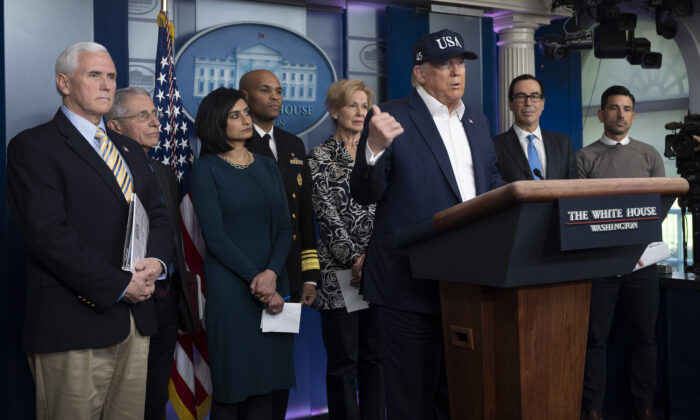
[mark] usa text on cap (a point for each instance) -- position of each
(439, 47)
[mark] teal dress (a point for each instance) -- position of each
(246, 226)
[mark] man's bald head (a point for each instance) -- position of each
(264, 95)
(250, 79)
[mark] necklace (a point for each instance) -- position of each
(237, 165)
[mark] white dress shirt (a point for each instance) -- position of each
(539, 145)
(453, 137)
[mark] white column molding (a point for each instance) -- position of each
(516, 54)
(688, 40)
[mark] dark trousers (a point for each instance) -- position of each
(413, 359)
(638, 295)
(270, 406)
(160, 357)
(352, 345)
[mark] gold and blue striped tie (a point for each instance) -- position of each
(111, 156)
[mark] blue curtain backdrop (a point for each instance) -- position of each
(489, 65)
(562, 85)
(404, 27)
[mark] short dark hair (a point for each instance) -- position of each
(212, 116)
(615, 90)
(522, 77)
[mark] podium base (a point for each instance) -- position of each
(515, 353)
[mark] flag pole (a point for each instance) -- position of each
(164, 5)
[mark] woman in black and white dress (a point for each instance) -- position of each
(351, 339)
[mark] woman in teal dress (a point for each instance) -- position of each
(240, 203)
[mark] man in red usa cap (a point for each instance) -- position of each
(418, 155)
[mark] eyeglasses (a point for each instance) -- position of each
(144, 115)
(521, 97)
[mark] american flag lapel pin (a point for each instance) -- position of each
(470, 121)
(125, 149)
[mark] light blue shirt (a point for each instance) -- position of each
(88, 131)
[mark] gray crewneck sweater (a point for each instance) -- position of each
(632, 160)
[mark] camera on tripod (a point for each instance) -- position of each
(681, 145)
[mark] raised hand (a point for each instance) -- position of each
(383, 129)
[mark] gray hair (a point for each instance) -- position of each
(119, 108)
(414, 80)
(67, 61)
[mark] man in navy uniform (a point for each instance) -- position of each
(264, 95)
(418, 155)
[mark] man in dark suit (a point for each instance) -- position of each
(134, 115)
(526, 147)
(264, 95)
(69, 183)
(418, 155)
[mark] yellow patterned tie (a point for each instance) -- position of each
(112, 158)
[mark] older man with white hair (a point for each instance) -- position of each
(418, 155)
(69, 183)
(134, 115)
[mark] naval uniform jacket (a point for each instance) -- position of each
(302, 262)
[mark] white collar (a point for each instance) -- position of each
(262, 132)
(610, 142)
(522, 134)
(434, 106)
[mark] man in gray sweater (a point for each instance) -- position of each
(615, 155)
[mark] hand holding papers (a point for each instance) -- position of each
(655, 252)
(286, 321)
(136, 240)
(351, 294)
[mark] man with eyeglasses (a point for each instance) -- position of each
(134, 115)
(527, 152)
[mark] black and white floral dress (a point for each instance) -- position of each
(344, 226)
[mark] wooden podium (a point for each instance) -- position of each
(514, 305)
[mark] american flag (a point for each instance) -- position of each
(190, 381)
(174, 146)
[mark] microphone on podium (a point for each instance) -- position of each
(537, 173)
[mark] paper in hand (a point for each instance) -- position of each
(136, 238)
(655, 252)
(286, 321)
(351, 294)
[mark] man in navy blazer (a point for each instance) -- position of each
(418, 155)
(87, 321)
(135, 116)
(555, 154)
